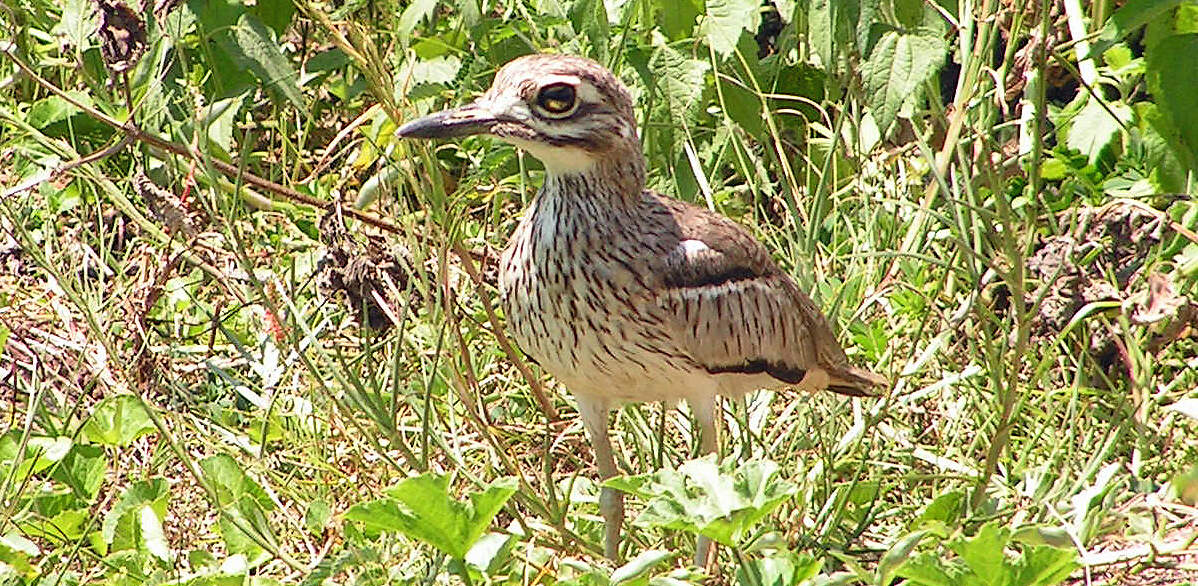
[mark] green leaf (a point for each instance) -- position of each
(413, 14)
(640, 566)
(983, 553)
(677, 17)
(1132, 15)
(1044, 565)
(253, 47)
(721, 501)
(927, 569)
(316, 518)
(118, 421)
(275, 14)
(1094, 128)
(15, 552)
(40, 453)
(726, 20)
(679, 78)
(224, 475)
(897, 68)
(1172, 78)
(243, 524)
(589, 18)
(127, 525)
(897, 555)
(83, 469)
(53, 109)
(945, 509)
(783, 568)
(422, 508)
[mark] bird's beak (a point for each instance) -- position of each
(464, 121)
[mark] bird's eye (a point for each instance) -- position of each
(557, 99)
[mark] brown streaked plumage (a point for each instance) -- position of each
(624, 294)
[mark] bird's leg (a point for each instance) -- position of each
(594, 413)
(704, 409)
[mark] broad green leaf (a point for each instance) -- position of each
(983, 552)
(489, 552)
(677, 17)
(275, 14)
(253, 47)
(1172, 78)
(1044, 565)
(928, 569)
(726, 20)
(413, 14)
(1094, 128)
(679, 78)
(40, 453)
(1132, 15)
(118, 421)
(83, 469)
(123, 526)
(152, 538)
(218, 121)
(64, 527)
(782, 568)
(224, 475)
(640, 566)
(945, 508)
(589, 18)
(721, 501)
(422, 508)
(316, 518)
(897, 68)
(241, 519)
(53, 109)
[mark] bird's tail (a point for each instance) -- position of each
(855, 382)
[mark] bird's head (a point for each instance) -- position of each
(569, 112)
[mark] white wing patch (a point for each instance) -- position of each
(690, 248)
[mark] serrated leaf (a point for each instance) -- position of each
(726, 20)
(897, 68)
(679, 78)
(118, 421)
(422, 508)
(253, 47)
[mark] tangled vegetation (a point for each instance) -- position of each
(248, 336)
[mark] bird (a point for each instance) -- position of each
(624, 294)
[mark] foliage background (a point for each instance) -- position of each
(213, 375)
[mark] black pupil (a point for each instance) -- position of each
(557, 98)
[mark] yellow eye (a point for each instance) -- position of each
(558, 98)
